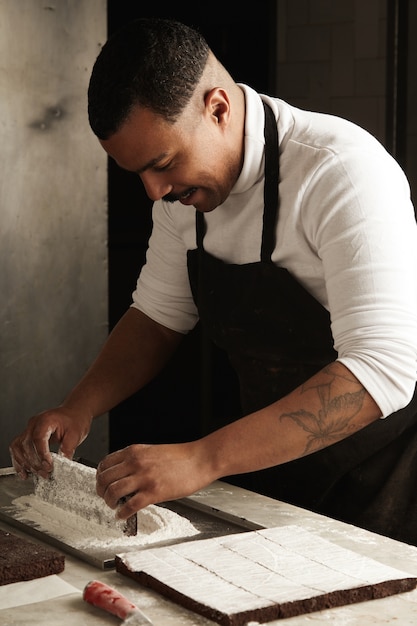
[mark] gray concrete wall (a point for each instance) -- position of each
(53, 210)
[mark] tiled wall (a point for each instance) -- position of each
(332, 58)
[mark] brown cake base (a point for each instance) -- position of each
(262, 576)
(21, 559)
(276, 611)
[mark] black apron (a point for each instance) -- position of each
(277, 335)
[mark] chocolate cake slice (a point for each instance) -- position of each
(21, 559)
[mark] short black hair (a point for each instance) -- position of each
(150, 62)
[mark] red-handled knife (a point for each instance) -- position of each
(105, 597)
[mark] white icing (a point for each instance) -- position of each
(258, 569)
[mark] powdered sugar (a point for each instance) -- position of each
(72, 487)
(155, 524)
(68, 508)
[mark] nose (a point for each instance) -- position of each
(155, 186)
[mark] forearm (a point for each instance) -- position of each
(327, 408)
(135, 351)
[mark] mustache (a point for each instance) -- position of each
(175, 197)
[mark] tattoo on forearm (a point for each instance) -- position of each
(332, 422)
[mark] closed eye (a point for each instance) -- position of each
(162, 168)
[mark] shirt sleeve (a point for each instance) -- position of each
(163, 290)
(360, 219)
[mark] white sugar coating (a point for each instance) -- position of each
(67, 506)
(72, 487)
(155, 524)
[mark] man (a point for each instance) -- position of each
(292, 237)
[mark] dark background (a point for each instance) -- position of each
(198, 391)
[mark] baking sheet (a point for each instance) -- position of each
(208, 521)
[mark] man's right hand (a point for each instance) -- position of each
(30, 451)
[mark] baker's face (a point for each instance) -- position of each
(191, 161)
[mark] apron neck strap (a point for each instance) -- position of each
(271, 197)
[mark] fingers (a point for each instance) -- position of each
(139, 475)
(133, 503)
(30, 452)
(68, 446)
(19, 465)
(26, 461)
(119, 477)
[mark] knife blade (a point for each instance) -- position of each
(103, 596)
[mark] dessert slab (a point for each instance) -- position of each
(260, 576)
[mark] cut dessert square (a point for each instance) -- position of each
(21, 559)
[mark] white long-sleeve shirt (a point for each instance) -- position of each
(346, 231)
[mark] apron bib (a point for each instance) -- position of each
(277, 335)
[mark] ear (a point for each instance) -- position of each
(217, 105)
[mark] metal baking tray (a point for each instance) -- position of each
(210, 522)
